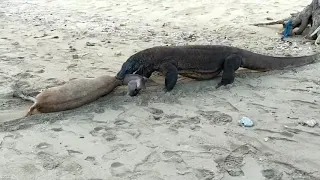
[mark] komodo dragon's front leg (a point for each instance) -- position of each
(171, 75)
(231, 64)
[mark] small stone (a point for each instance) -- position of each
(57, 129)
(72, 49)
(269, 48)
(43, 145)
(71, 152)
(310, 123)
(266, 139)
(118, 53)
(90, 158)
(192, 126)
(81, 136)
(75, 56)
(40, 71)
(55, 37)
(90, 44)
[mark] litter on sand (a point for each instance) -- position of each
(245, 122)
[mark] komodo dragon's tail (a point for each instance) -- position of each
(19, 94)
(256, 61)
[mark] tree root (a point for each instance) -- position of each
(282, 21)
(316, 42)
(310, 15)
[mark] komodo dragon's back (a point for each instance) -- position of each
(256, 61)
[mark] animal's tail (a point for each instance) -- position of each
(256, 61)
(19, 94)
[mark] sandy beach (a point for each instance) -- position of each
(190, 133)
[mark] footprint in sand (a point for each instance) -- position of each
(90, 158)
(155, 111)
(105, 132)
(72, 167)
(118, 169)
(10, 142)
(148, 162)
(24, 75)
(215, 117)
(261, 108)
(49, 162)
(204, 174)
(299, 103)
(43, 145)
(73, 152)
(171, 156)
(268, 173)
(109, 136)
(233, 162)
(190, 122)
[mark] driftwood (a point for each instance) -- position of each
(310, 15)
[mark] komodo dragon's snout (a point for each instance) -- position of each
(129, 67)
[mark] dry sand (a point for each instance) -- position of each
(187, 134)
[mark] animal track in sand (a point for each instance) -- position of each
(71, 167)
(49, 162)
(43, 145)
(299, 103)
(233, 162)
(191, 122)
(283, 133)
(73, 152)
(110, 134)
(105, 132)
(215, 117)
(261, 108)
(119, 170)
(10, 141)
(117, 151)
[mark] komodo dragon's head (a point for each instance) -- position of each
(129, 67)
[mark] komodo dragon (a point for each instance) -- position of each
(203, 62)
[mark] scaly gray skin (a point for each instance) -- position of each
(134, 83)
(204, 62)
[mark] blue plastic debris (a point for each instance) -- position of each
(287, 29)
(246, 122)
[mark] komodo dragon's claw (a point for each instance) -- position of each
(227, 86)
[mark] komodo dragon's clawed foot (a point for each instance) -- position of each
(231, 64)
(171, 75)
(228, 86)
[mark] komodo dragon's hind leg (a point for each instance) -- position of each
(231, 64)
(171, 75)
